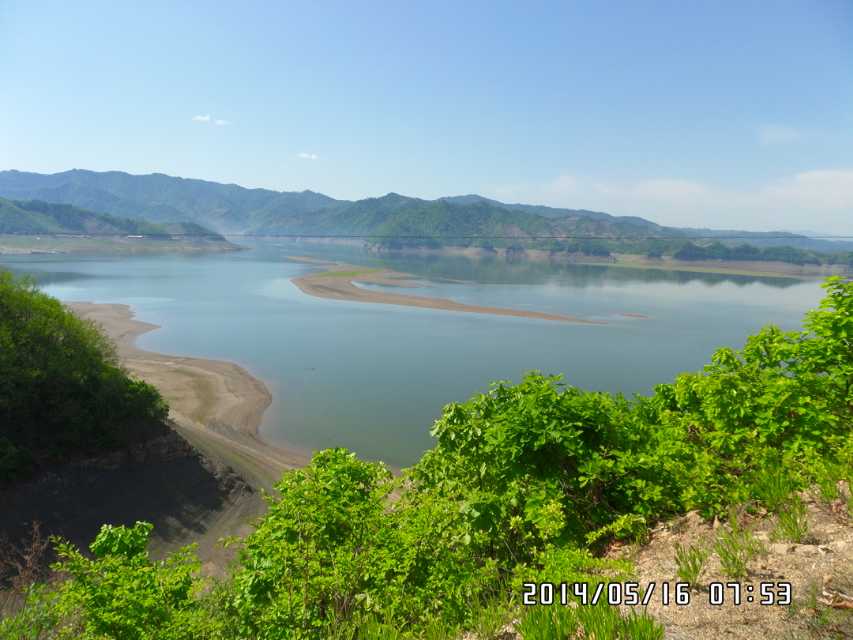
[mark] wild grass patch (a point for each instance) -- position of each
(736, 546)
(792, 522)
(690, 562)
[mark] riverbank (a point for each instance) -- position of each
(22, 245)
(337, 282)
(727, 267)
(756, 268)
(217, 408)
(216, 405)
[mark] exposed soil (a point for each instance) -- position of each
(820, 571)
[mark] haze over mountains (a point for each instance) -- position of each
(232, 209)
(33, 217)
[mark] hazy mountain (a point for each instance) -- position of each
(772, 239)
(551, 212)
(235, 209)
(158, 197)
(230, 208)
(35, 217)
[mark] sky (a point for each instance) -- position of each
(711, 114)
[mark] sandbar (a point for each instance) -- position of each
(338, 283)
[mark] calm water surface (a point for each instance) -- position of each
(374, 377)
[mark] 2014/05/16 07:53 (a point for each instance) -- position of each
(631, 594)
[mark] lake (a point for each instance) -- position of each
(373, 378)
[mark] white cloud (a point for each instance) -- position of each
(773, 134)
(821, 199)
(208, 119)
(307, 156)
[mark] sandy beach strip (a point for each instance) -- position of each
(337, 283)
(217, 406)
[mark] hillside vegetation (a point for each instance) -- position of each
(393, 221)
(35, 217)
(62, 392)
(528, 481)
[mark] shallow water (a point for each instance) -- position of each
(374, 377)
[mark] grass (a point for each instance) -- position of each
(736, 546)
(773, 490)
(690, 563)
(489, 620)
(438, 630)
(792, 523)
(598, 621)
(827, 483)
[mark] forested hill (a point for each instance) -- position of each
(469, 220)
(39, 217)
(62, 390)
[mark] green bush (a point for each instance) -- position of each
(332, 550)
(117, 593)
(61, 388)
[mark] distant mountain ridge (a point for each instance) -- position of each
(406, 221)
(33, 217)
(157, 197)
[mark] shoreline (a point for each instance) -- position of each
(216, 405)
(338, 283)
(753, 268)
(118, 245)
(759, 269)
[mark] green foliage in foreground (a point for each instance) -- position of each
(599, 621)
(525, 482)
(61, 389)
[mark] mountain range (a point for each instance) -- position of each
(391, 220)
(34, 217)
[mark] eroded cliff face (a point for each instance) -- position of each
(162, 480)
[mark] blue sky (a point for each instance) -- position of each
(722, 114)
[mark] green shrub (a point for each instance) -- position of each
(570, 565)
(541, 463)
(118, 593)
(331, 550)
(61, 389)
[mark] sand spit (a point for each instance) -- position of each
(217, 406)
(337, 283)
